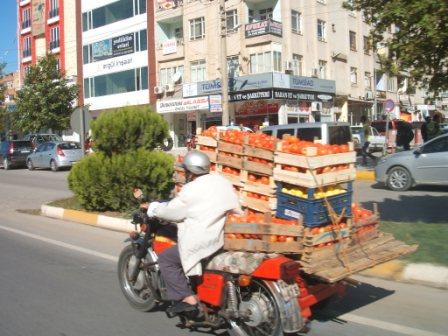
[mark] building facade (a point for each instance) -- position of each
(10, 84)
(116, 59)
(288, 61)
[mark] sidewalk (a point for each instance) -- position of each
(426, 274)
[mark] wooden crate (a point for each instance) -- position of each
(206, 141)
(264, 189)
(257, 167)
(234, 179)
(231, 161)
(310, 239)
(311, 179)
(258, 205)
(362, 237)
(260, 153)
(314, 162)
(224, 146)
(255, 245)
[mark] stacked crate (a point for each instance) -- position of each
(230, 162)
(365, 224)
(209, 146)
(259, 188)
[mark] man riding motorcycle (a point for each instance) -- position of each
(199, 210)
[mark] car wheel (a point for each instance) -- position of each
(6, 164)
(399, 179)
(30, 165)
(54, 166)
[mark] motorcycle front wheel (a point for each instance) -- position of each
(138, 293)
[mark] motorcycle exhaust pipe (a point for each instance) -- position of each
(133, 268)
(236, 330)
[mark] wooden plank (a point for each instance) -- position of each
(325, 237)
(263, 228)
(245, 177)
(230, 147)
(259, 189)
(254, 245)
(231, 161)
(259, 152)
(314, 162)
(257, 167)
(206, 141)
(374, 219)
(258, 205)
(318, 180)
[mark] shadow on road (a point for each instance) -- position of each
(414, 208)
(356, 297)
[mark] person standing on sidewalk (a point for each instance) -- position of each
(424, 128)
(365, 141)
(434, 128)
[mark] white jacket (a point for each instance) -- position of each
(200, 210)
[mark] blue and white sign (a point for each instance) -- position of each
(389, 105)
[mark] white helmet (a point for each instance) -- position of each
(196, 163)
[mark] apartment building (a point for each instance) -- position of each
(288, 61)
(48, 26)
(115, 53)
(10, 84)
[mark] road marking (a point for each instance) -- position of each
(62, 244)
(347, 317)
(387, 326)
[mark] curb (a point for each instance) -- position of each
(365, 175)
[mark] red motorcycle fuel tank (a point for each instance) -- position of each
(211, 290)
(162, 243)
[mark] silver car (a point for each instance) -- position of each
(426, 165)
(54, 155)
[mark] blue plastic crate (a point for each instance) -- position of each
(314, 212)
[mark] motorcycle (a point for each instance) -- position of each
(264, 302)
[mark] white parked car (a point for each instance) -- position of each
(376, 140)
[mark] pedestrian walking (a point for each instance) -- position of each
(405, 134)
(365, 141)
(424, 128)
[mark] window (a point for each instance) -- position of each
(27, 46)
(391, 84)
(233, 66)
(232, 20)
(198, 71)
(54, 9)
(54, 38)
(260, 15)
(368, 80)
(197, 28)
(26, 18)
(367, 45)
(115, 83)
(437, 146)
(353, 75)
(166, 74)
(143, 40)
(277, 61)
(265, 62)
(297, 64)
(113, 12)
(179, 32)
(296, 22)
(322, 69)
(321, 30)
(352, 38)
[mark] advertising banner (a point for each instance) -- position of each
(38, 17)
(262, 28)
(182, 105)
(265, 94)
(117, 46)
(169, 47)
(215, 103)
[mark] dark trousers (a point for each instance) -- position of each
(365, 153)
(177, 287)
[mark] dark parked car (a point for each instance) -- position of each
(13, 153)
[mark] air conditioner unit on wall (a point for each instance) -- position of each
(169, 87)
(158, 90)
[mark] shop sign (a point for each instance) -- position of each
(117, 46)
(215, 103)
(312, 84)
(263, 28)
(201, 88)
(260, 107)
(119, 64)
(169, 47)
(266, 94)
(280, 80)
(251, 82)
(182, 105)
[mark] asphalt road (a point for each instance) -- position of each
(59, 278)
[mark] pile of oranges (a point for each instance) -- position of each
(258, 196)
(261, 140)
(211, 132)
(293, 145)
(231, 171)
(230, 155)
(328, 228)
(272, 238)
(233, 136)
(206, 148)
(360, 213)
(258, 179)
(258, 160)
(319, 171)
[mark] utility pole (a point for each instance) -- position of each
(223, 64)
(375, 107)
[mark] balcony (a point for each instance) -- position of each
(263, 32)
(170, 49)
(24, 3)
(53, 16)
(168, 10)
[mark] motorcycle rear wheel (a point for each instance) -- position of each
(140, 299)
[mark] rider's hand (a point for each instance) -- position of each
(144, 206)
(151, 208)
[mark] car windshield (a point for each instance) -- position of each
(69, 145)
(22, 144)
(51, 137)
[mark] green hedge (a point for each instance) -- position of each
(103, 182)
(127, 129)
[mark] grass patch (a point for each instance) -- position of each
(432, 240)
(72, 203)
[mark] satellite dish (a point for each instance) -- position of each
(177, 77)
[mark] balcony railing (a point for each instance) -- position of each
(26, 53)
(168, 4)
(53, 13)
(265, 27)
(26, 24)
(54, 44)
